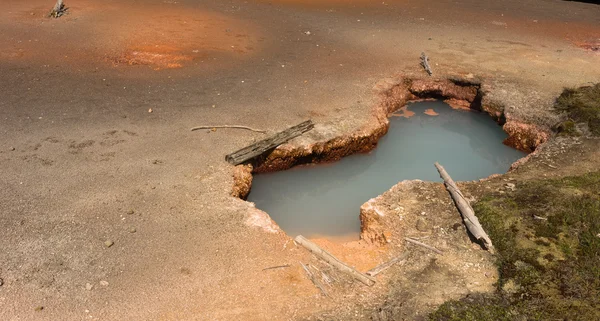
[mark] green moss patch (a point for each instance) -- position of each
(581, 105)
(547, 233)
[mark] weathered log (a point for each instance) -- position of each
(384, 266)
(425, 63)
(465, 210)
(329, 258)
(259, 148)
(429, 247)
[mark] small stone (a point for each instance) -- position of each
(39, 308)
(456, 226)
(1, 282)
(150, 110)
(88, 286)
(12, 149)
(103, 283)
(422, 225)
(130, 212)
(132, 230)
(109, 243)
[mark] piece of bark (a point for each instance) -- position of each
(465, 210)
(425, 63)
(329, 258)
(259, 148)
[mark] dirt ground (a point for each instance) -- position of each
(112, 209)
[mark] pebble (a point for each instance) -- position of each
(12, 148)
(88, 286)
(130, 212)
(39, 308)
(103, 283)
(132, 230)
(1, 282)
(109, 243)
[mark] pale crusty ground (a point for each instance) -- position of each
(87, 150)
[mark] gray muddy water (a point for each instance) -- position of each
(324, 200)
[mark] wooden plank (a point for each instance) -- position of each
(465, 210)
(259, 148)
(384, 266)
(329, 258)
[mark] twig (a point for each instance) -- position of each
(540, 218)
(276, 267)
(425, 63)
(230, 126)
(313, 279)
(382, 267)
(424, 245)
(551, 166)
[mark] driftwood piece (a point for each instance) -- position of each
(267, 144)
(384, 266)
(465, 210)
(230, 126)
(314, 280)
(277, 267)
(58, 10)
(429, 247)
(329, 258)
(425, 63)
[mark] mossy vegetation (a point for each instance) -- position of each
(581, 106)
(547, 233)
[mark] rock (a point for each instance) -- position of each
(130, 212)
(421, 225)
(510, 186)
(109, 243)
(1, 282)
(103, 283)
(12, 149)
(88, 286)
(39, 308)
(132, 230)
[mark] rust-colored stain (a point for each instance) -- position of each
(404, 112)
(430, 112)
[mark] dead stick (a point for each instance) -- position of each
(382, 267)
(276, 267)
(429, 247)
(465, 210)
(230, 126)
(329, 258)
(313, 279)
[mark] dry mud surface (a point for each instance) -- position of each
(112, 209)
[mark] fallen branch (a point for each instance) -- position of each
(329, 258)
(425, 63)
(58, 10)
(268, 144)
(230, 126)
(276, 267)
(314, 280)
(465, 210)
(384, 266)
(429, 247)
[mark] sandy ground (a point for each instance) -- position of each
(85, 162)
